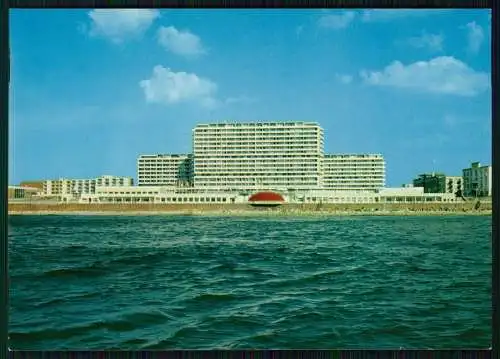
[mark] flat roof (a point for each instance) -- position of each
(256, 124)
(166, 155)
(353, 155)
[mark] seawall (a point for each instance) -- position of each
(246, 209)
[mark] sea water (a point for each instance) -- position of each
(194, 282)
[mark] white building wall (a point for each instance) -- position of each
(477, 180)
(277, 155)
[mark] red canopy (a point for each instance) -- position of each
(266, 197)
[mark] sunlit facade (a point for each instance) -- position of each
(165, 170)
(358, 172)
(244, 156)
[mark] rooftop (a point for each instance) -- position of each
(166, 155)
(358, 155)
(257, 124)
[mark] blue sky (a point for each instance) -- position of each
(93, 89)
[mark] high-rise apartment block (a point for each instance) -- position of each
(165, 170)
(240, 156)
(262, 155)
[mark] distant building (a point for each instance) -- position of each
(439, 183)
(33, 184)
(165, 170)
(113, 181)
(431, 182)
(359, 172)
(477, 180)
(77, 187)
(21, 192)
(454, 184)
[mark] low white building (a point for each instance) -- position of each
(385, 195)
(173, 195)
(477, 180)
(69, 189)
(21, 192)
(157, 194)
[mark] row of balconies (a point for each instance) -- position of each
(162, 170)
(354, 163)
(369, 175)
(198, 130)
(354, 168)
(253, 142)
(257, 164)
(310, 139)
(255, 150)
(256, 177)
(246, 157)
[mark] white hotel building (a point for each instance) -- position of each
(252, 156)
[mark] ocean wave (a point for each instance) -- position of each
(92, 270)
(194, 283)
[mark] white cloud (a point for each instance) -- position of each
(475, 37)
(441, 75)
(433, 42)
(120, 24)
(381, 15)
(168, 87)
(337, 20)
(182, 43)
(345, 79)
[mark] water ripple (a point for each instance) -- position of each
(202, 283)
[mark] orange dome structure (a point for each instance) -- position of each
(266, 199)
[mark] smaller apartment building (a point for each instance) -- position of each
(165, 170)
(439, 183)
(76, 187)
(477, 180)
(355, 172)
